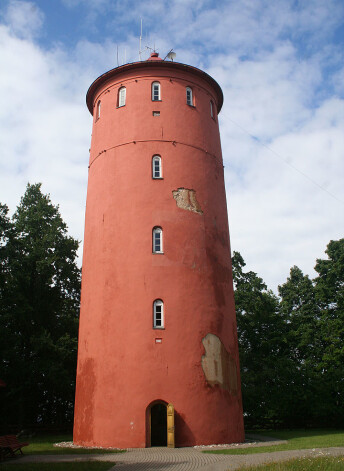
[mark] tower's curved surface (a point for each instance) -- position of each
(157, 321)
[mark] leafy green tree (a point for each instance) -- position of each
(262, 346)
(329, 289)
(5, 234)
(38, 326)
(292, 348)
(299, 308)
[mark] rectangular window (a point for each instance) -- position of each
(157, 244)
(189, 100)
(156, 96)
(121, 96)
(156, 93)
(156, 169)
(157, 240)
(158, 314)
(98, 110)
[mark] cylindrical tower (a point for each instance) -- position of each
(158, 355)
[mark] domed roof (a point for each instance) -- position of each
(154, 57)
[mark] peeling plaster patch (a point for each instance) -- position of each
(186, 199)
(218, 365)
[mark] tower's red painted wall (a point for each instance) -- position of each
(121, 368)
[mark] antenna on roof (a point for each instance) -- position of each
(150, 48)
(171, 55)
(117, 57)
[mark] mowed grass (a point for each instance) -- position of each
(77, 466)
(297, 440)
(43, 445)
(303, 464)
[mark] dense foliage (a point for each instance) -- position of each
(39, 304)
(292, 346)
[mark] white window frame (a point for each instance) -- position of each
(98, 109)
(122, 93)
(156, 158)
(189, 96)
(158, 324)
(156, 96)
(155, 239)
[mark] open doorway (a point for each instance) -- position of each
(159, 424)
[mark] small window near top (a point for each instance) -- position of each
(211, 109)
(157, 240)
(189, 98)
(156, 92)
(98, 110)
(121, 96)
(156, 167)
(158, 314)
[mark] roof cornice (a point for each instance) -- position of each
(152, 65)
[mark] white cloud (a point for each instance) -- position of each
(45, 127)
(275, 87)
(95, 4)
(279, 216)
(24, 19)
(338, 82)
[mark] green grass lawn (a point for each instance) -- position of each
(78, 466)
(303, 464)
(297, 440)
(43, 445)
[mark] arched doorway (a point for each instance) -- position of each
(160, 424)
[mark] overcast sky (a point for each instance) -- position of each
(279, 63)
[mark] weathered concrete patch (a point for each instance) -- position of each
(218, 365)
(186, 199)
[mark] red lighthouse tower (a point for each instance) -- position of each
(158, 355)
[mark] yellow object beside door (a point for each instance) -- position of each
(170, 426)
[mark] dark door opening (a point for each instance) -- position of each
(159, 425)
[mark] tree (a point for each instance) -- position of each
(38, 326)
(299, 308)
(262, 347)
(292, 348)
(5, 234)
(329, 290)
